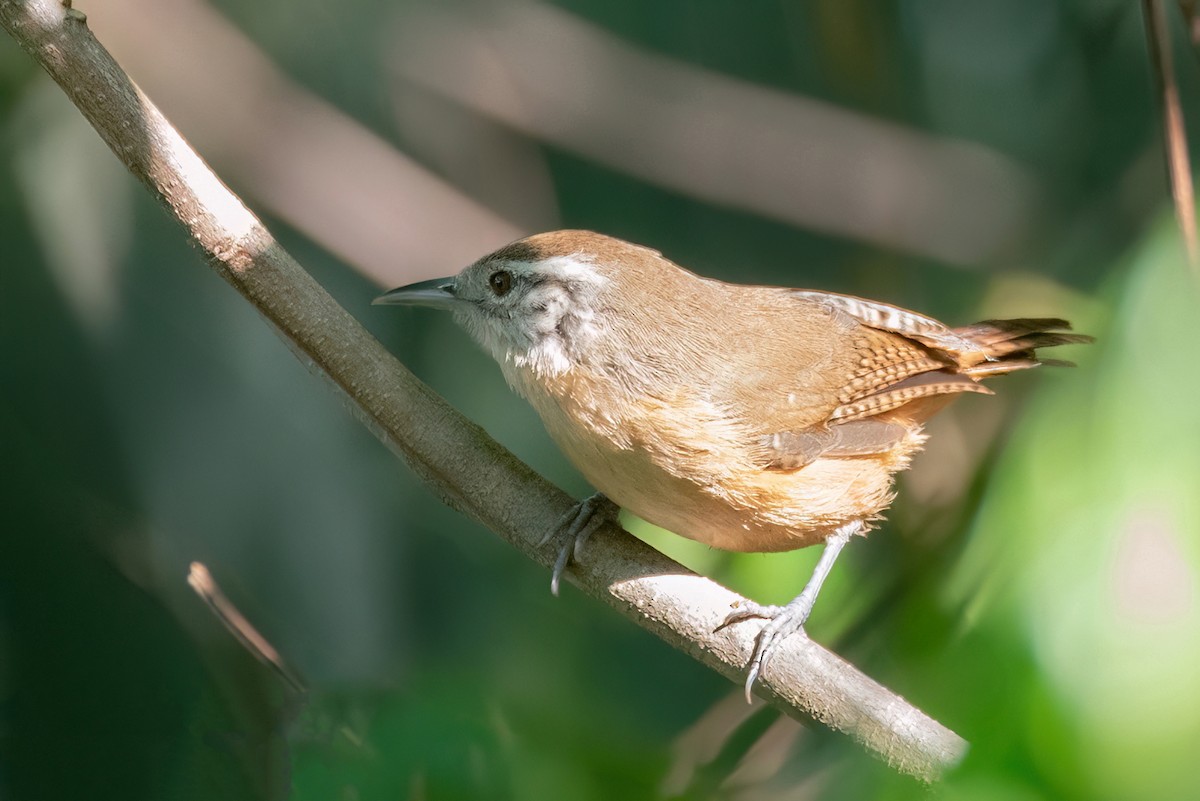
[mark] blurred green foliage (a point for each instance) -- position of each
(1037, 587)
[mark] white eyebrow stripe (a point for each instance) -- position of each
(576, 268)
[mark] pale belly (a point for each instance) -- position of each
(688, 470)
(755, 511)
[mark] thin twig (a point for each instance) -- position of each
(201, 580)
(466, 468)
(1175, 144)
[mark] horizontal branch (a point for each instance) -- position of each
(465, 467)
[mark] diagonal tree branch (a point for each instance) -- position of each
(466, 468)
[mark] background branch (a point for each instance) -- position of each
(468, 470)
(1190, 9)
(1174, 130)
(293, 154)
(746, 146)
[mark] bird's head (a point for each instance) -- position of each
(541, 303)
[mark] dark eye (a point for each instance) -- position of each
(500, 282)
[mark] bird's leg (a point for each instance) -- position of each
(573, 529)
(783, 621)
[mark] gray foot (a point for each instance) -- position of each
(573, 529)
(784, 621)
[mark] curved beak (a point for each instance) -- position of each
(437, 292)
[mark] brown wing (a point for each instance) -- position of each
(908, 324)
(897, 365)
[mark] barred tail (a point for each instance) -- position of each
(1011, 345)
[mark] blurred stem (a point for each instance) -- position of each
(1191, 22)
(465, 467)
(1175, 145)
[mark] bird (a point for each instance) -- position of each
(749, 418)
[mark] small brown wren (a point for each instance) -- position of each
(749, 418)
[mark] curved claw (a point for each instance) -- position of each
(574, 528)
(782, 625)
(764, 643)
(560, 564)
(784, 621)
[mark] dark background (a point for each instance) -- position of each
(1036, 587)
